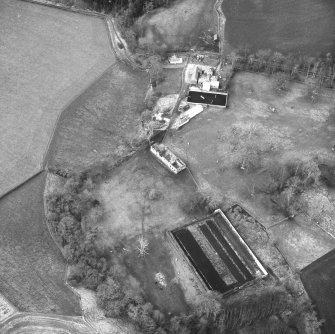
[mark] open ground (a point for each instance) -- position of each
(180, 26)
(143, 196)
(32, 269)
(102, 122)
(299, 130)
(47, 57)
(304, 27)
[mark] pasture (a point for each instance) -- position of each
(172, 81)
(47, 56)
(305, 27)
(297, 130)
(180, 26)
(102, 122)
(32, 268)
(141, 196)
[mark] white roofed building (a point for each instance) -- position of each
(175, 60)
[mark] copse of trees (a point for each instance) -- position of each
(285, 183)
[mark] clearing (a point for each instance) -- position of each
(102, 122)
(307, 27)
(298, 130)
(141, 195)
(172, 82)
(47, 56)
(180, 26)
(32, 268)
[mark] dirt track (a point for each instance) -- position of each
(28, 323)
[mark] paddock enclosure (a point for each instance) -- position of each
(218, 253)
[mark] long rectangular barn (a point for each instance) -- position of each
(218, 253)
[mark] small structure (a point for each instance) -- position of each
(160, 279)
(200, 57)
(194, 75)
(167, 158)
(161, 122)
(187, 115)
(215, 37)
(206, 86)
(214, 84)
(175, 60)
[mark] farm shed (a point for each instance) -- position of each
(175, 60)
(196, 95)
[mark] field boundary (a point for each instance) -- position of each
(112, 30)
(16, 186)
(52, 135)
(66, 8)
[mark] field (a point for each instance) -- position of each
(32, 268)
(318, 279)
(172, 82)
(143, 196)
(47, 57)
(298, 130)
(305, 27)
(180, 26)
(102, 122)
(303, 244)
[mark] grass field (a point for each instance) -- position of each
(47, 57)
(318, 279)
(128, 207)
(31, 266)
(102, 121)
(299, 130)
(302, 244)
(287, 25)
(172, 82)
(179, 26)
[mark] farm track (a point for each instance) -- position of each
(44, 324)
(221, 24)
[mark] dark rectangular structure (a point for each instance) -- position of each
(212, 98)
(218, 253)
(199, 260)
(319, 281)
(223, 244)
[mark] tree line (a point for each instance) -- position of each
(129, 8)
(321, 68)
